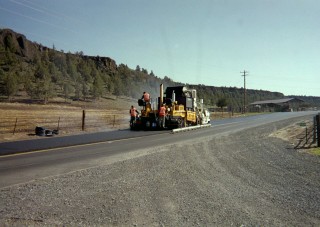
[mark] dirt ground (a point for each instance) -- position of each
(295, 134)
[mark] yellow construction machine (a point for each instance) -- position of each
(182, 110)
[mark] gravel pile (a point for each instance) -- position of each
(244, 179)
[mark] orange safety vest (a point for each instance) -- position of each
(162, 111)
(133, 112)
(146, 97)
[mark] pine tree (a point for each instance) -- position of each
(222, 102)
(68, 89)
(43, 88)
(98, 88)
(11, 85)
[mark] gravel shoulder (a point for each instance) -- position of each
(243, 179)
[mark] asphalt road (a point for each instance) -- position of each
(60, 155)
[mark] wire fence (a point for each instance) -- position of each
(80, 121)
(311, 136)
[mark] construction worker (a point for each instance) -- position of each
(133, 113)
(146, 97)
(162, 116)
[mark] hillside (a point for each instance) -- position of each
(32, 71)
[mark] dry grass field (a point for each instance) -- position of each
(18, 120)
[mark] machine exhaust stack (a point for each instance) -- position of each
(173, 96)
(161, 94)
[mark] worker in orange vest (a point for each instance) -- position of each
(146, 97)
(162, 116)
(133, 113)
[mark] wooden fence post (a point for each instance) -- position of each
(314, 129)
(318, 129)
(58, 124)
(83, 119)
(15, 125)
(306, 134)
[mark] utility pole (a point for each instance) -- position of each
(244, 74)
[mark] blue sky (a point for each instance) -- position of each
(191, 41)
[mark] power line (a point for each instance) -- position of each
(37, 20)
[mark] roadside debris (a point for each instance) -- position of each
(42, 131)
